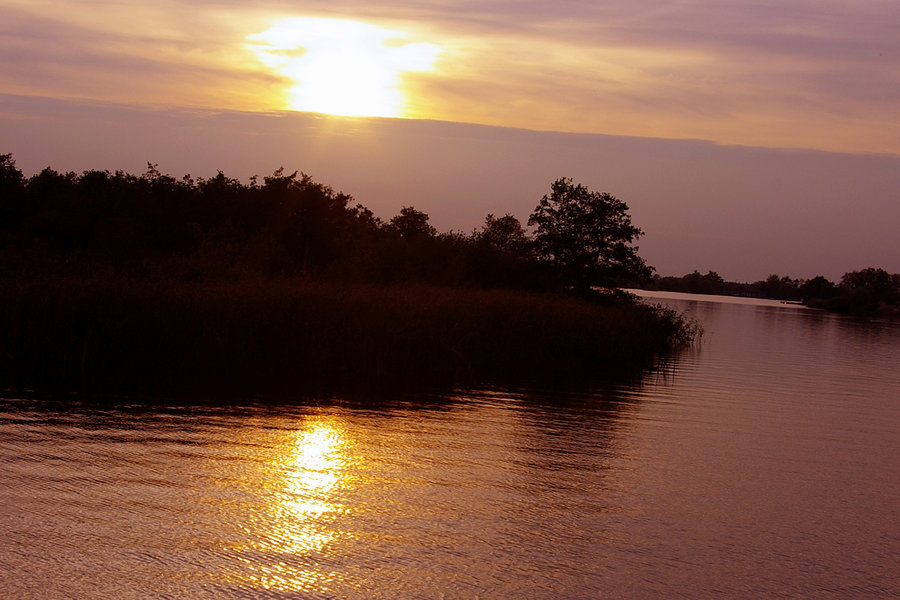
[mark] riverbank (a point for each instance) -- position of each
(288, 334)
(870, 293)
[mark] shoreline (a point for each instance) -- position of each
(288, 334)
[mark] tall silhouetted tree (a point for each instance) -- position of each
(588, 236)
(11, 178)
(12, 184)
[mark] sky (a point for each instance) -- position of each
(748, 138)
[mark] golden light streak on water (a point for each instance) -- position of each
(304, 471)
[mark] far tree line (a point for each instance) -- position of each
(115, 224)
(865, 292)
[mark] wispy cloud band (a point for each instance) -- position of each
(793, 73)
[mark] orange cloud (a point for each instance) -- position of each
(820, 75)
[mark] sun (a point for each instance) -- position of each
(342, 67)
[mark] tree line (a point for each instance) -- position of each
(146, 283)
(867, 292)
(102, 223)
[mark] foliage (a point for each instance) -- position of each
(11, 178)
(869, 292)
(876, 282)
(505, 234)
(154, 225)
(693, 283)
(131, 282)
(817, 287)
(588, 236)
(780, 288)
(412, 224)
(291, 334)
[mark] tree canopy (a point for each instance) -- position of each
(287, 224)
(505, 234)
(588, 235)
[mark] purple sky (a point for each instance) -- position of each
(748, 138)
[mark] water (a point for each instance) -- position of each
(762, 464)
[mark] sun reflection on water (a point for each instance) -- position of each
(303, 478)
(312, 469)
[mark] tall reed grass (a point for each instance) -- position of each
(263, 335)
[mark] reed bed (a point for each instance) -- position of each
(292, 334)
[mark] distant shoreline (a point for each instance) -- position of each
(713, 298)
(870, 293)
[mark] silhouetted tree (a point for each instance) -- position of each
(364, 219)
(779, 288)
(711, 283)
(588, 236)
(878, 283)
(12, 184)
(412, 224)
(11, 178)
(818, 287)
(505, 233)
(312, 220)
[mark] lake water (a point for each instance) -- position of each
(763, 463)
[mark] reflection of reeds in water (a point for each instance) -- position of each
(285, 335)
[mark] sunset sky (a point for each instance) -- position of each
(747, 137)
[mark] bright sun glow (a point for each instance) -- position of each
(342, 67)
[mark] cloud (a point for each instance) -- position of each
(792, 73)
(60, 56)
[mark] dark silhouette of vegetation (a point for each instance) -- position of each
(294, 334)
(693, 283)
(587, 236)
(870, 292)
(194, 229)
(114, 280)
(866, 293)
(506, 234)
(199, 229)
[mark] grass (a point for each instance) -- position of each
(282, 335)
